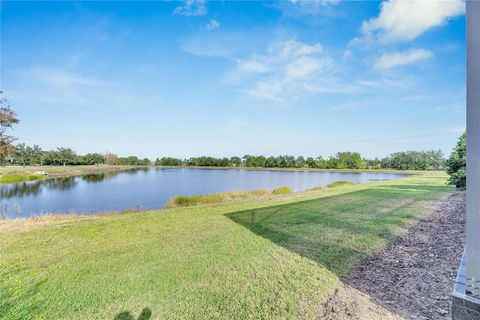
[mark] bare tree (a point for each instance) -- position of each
(7, 118)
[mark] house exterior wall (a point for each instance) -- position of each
(473, 149)
(466, 294)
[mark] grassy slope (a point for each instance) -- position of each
(257, 259)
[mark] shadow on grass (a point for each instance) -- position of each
(9, 301)
(339, 231)
(126, 315)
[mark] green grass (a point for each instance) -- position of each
(266, 258)
(14, 178)
(281, 191)
(337, 184)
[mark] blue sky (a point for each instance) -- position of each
(227, 78)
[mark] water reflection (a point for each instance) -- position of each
(98, 177)
(24, 189)
(33, 188)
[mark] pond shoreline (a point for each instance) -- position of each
(220, 198)
(60, 171)
(153, 188)
(72, 171)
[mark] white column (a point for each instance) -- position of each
(473, 148)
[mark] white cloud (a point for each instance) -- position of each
(291, 58)
(192, 8)
(405, 20)
(213, 24)
(287, 70)
(393, 59)
(294, 49)
(252, 66)
(304, 66)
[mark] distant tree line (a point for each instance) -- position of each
(27, 156)
(408, 160)
(414, 160)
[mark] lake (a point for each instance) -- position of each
(152, 188)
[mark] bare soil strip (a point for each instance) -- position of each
(414, 276)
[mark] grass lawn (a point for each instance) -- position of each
(256, 259)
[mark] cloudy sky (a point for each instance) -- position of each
(226, 78)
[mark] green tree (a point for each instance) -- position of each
(169, 162)
(271, 162)
(300, 162)
(7, 118)
(320, 163)
(48, 158)
(36, 155)
(93, 159)
(348, 160)
(130, 161)
(373, 163)
(415, 160)
(65, 156)
(310, 162)
(236, 161)
(331, 163)
(20, 154)
(456, 164)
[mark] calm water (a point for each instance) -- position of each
(152, 188)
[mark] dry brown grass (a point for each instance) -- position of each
(184, 201)
(27, 224)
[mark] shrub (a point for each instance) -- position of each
(337, 184)
(184, 201)
(456, 164)
(282, 190)
(458, 179)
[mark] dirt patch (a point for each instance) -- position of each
(348, 303)
(414, 276)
